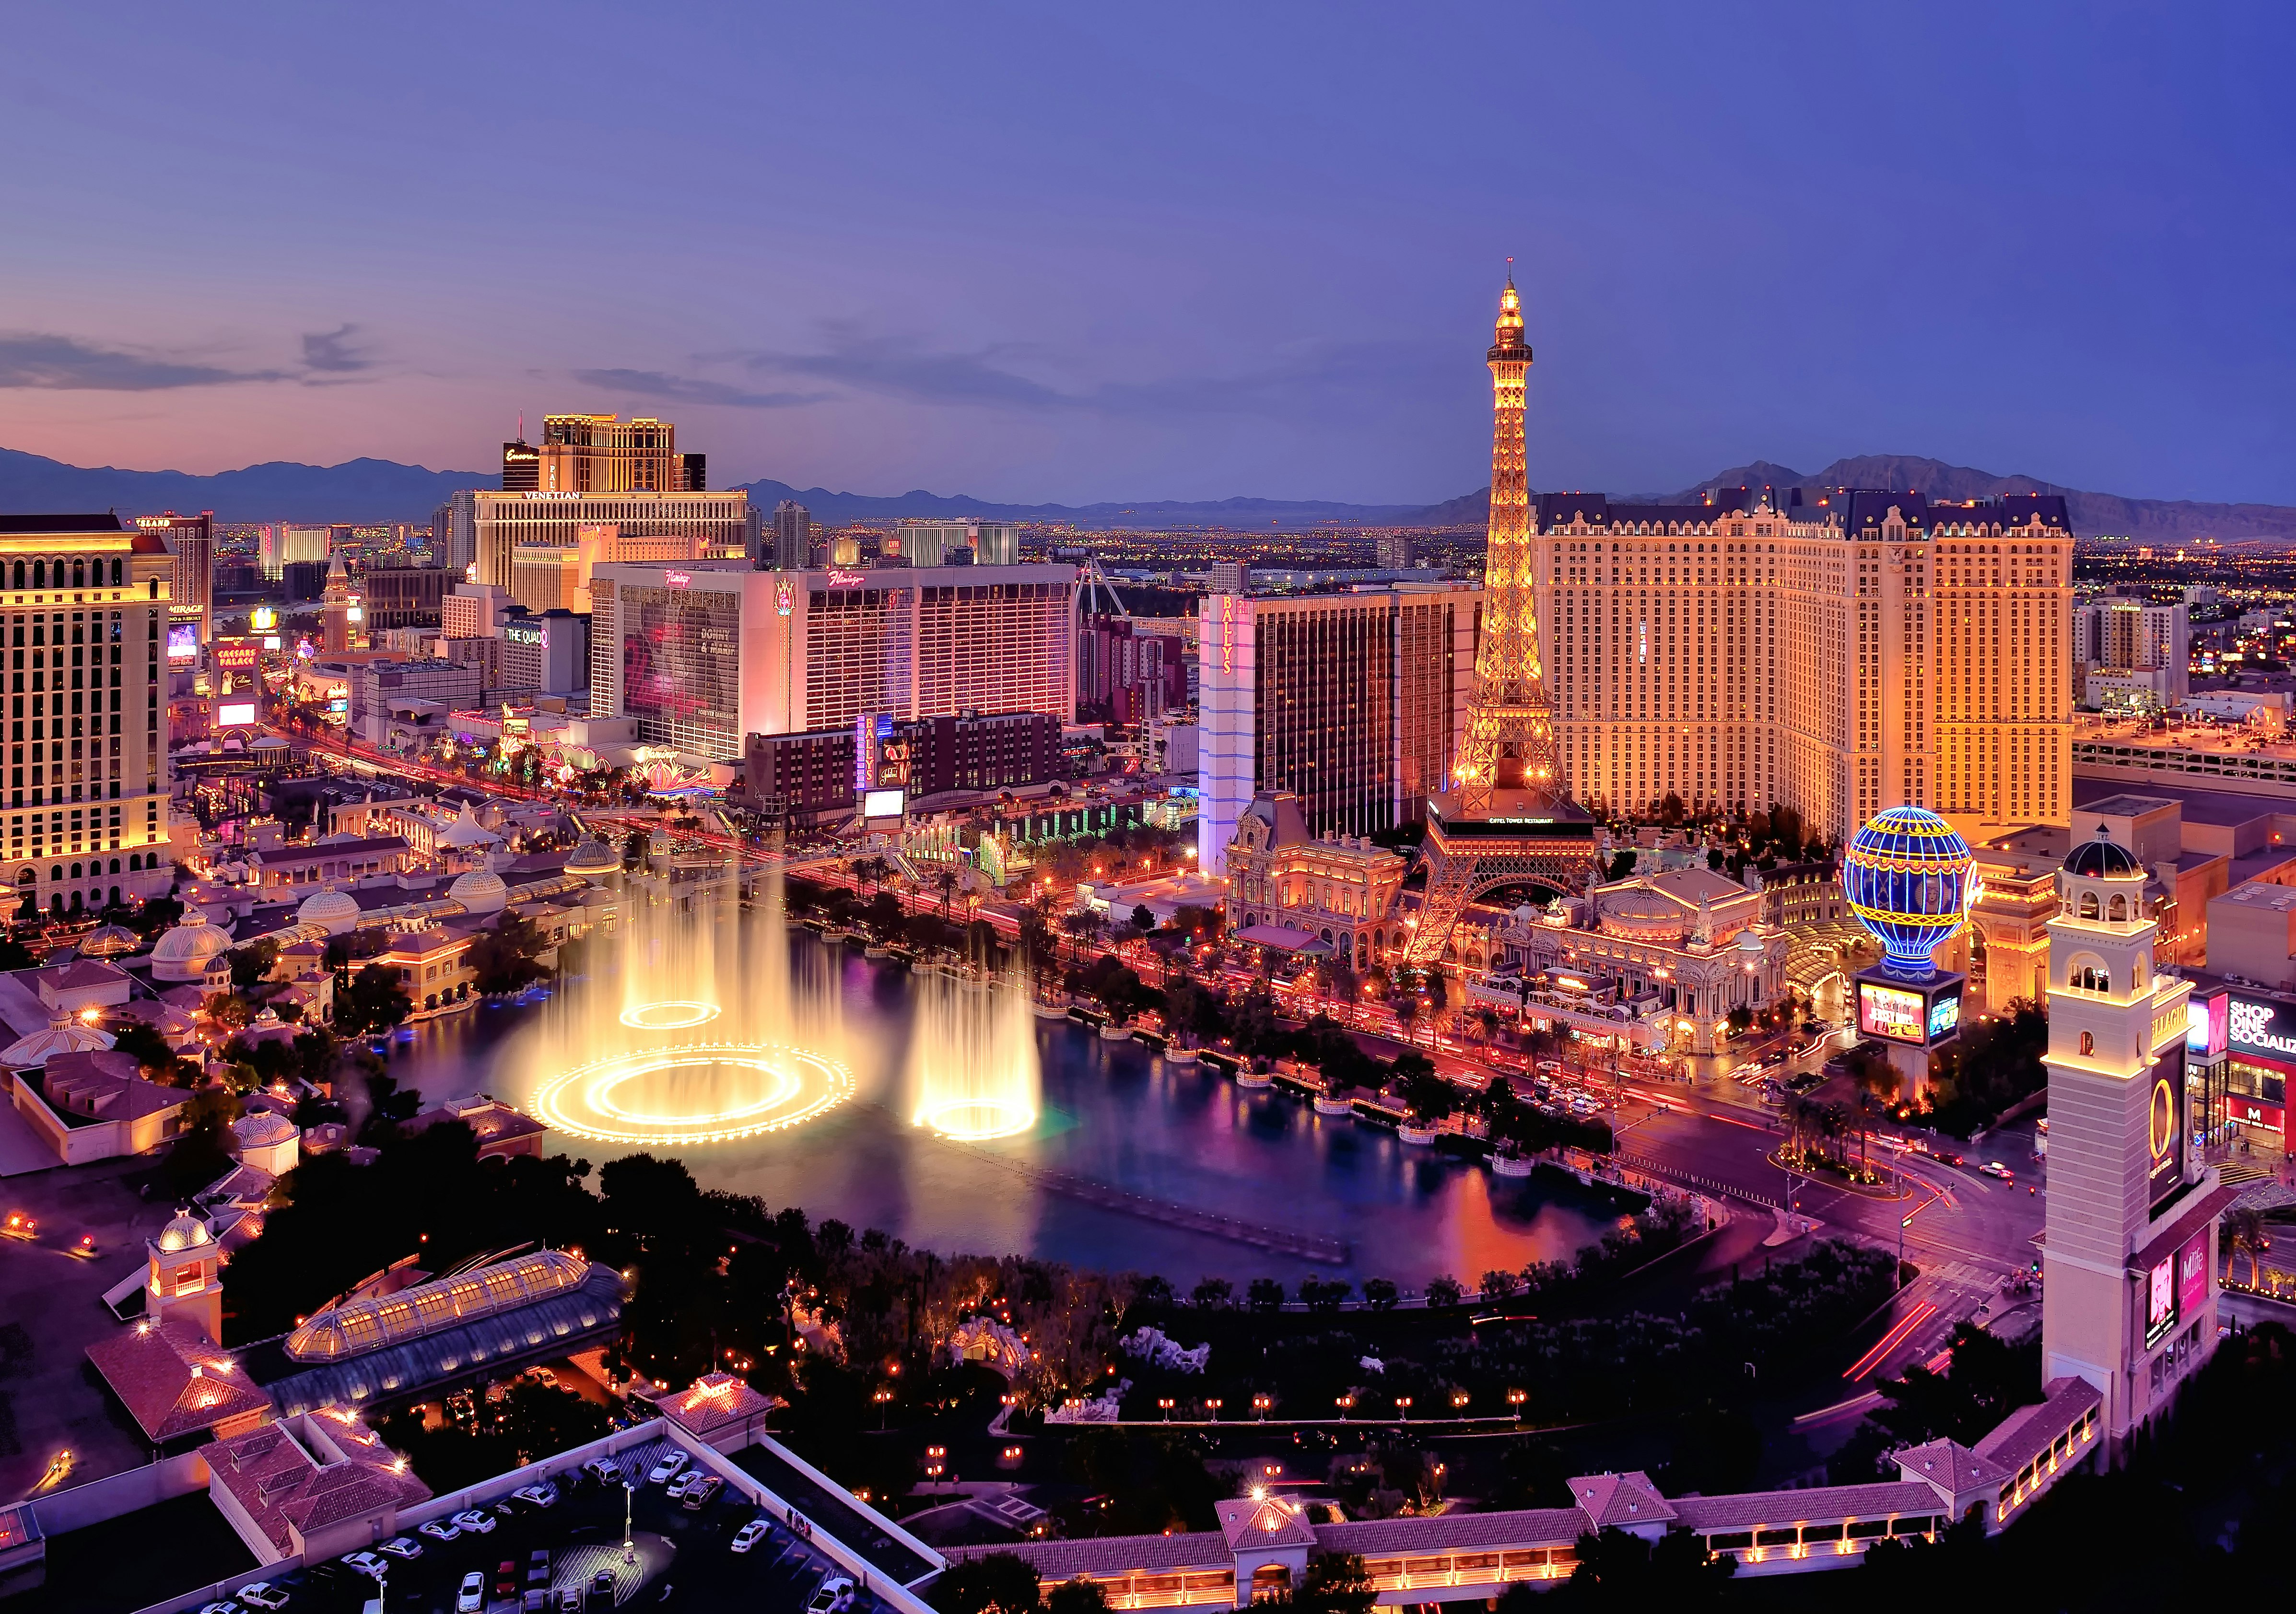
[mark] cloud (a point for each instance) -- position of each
(42, 362)
(688, 390)
(1305, 379)
(330, 353)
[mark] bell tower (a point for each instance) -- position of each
(182, 1281)
(2128, 1257)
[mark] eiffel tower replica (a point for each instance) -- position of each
(1506, 819)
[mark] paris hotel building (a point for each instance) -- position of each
(1834, 652)
(84, 603)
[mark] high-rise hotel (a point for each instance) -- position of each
(83, 604)
(1837, 653)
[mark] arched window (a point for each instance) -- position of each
(115, 897)
(19, 574)
(25, 878)
(115, 865)
(76, 902)
(2088, 905)
(56, 903)
(79, 574)
(57, 872)
(115, 573)
(39, 574)
(2091, 979)
(135, 862)
(2088, 1043)
(2120, 908)
(75, 870)
(2140, 975)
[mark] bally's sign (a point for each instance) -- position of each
(2261, 1028)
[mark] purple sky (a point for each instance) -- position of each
(1077, 252)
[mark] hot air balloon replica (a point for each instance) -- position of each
(1910, 879)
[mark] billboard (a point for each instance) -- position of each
(2193, 1275)
(1945, 1013)
(184, 641)
(2207, 1029)
(237, 655)
(2260, 1025)
(883, 804)
(2164, 1128)
(2160, 1299)
(1892, 1013)
(235, 714)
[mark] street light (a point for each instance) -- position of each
(629, 1544)
(1403, 1405)
(1261, 1403)
(1166, 1403)
(1515, 1399)
(1214, 1404)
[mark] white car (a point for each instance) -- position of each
(750, 1535)
(833, 1597)
(540, 1496)
(367, 1564)
(440, 1530)
(262, 1594)
(684, 1483)
(472, 1597)
(603, 1471)
(402, 1548)
(475, 1522)
(667, 1469)
(1994, 1168)
(220, 1608)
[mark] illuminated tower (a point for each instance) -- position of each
(2129, 1255)
(1505, 821)
(335, 611)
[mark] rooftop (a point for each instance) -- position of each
(173, 1380)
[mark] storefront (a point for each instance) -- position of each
(2259, 1038)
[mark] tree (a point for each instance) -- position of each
(375, 1001)
(507, 958)
(1336, 1582)
(1443, 1290)
(1380, 1293)
(1077, 1595)
(1212, 1293)
(1264, 1295)
(251, 964)
(1002, 1582)
(2244, 1234)
(1143, 920)
(945, 882)
(202, 1153)
(1496, 1286)
(1622, 863)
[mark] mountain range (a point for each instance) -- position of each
(366, 490)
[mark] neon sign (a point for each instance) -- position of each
(677, 579)
(846, 579)
(784, 595)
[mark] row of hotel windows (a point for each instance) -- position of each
(83, 573)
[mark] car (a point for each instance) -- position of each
(1994, 1168)
(473, 1596)
(667, 1468)
(367, 1564)
(475, 1522)
(697, 1496)
(569, 1600)
(506, 1579)
(683, 1483)
(401, 1548)
(834, 1595)
(220, 1608)
(603, 1471)
(440, 1530)
(537, 1495)
(750, 1535)
(535, 1602)
(537, 1567)
(543, 1375)
(602, 1584)
(262, 1594)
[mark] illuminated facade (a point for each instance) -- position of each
(192, 541)
(1352, 702)
(703, 655)
(1838, 655)
(1339, 890)
(84, 604)
(2129, 1252)
(503, 523)
(606, 453)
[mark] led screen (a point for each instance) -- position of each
(1945, 1013)
(883, 804)
(2160, 1299)
(1888, 1012)
(2164, 1126)
(183, 641)
(236, 714)
(2207, 1024)
(2193, 1275)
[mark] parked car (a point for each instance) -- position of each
(535, 1602)
(750, 1535)
(262, 1594)
(834, 1595)
(367, 1564)
(667, 1469)
(475, 1520)
(440, 1530)
(697, 1496)
(604, 1472)
(539, 1496)
(472, 1597)
(220, 1608)
(569, 1599)
(677, 1487)
(537, 1567)
(401, 1547)
(505, 1578)
(602, 1585)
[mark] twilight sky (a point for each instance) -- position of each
(1079, 252)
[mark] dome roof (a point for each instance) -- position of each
(1906, 875)
(186, 1231)
(261, 1128)
(336, 912)
(2102, 858)
(480, 891)
(67, 1035)
(592, 859)
(1640, 911)
(1749, 943)
(109, 941)
(187, 948)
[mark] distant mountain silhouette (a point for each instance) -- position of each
(2152, 520)
(383, 490)
(357, 491)
(836, 509)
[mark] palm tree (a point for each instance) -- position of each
(945, 882)
(2244, 1233)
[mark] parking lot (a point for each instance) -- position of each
(684, 1558)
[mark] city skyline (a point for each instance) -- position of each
(888, 286)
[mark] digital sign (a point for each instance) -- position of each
(1945, 1014)
(236, 655)
(237, 714)
(2164, 1127)
(518, 633)
(263, 620)
(2193, 1275)
(183, 641)
(1892, 1013)
(2207, 1024)
(2261, 1026)
(2160, 1300)
(883, 804)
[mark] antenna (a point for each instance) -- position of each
(521, 424)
